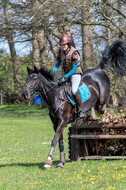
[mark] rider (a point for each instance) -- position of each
(70, 59)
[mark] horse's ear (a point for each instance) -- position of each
(29, 70)
(36, 69)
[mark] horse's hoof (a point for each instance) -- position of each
(47, 166)
(60, 165)
(48, 163)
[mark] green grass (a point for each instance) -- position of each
(25, 138)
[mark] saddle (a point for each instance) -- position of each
(83, 92)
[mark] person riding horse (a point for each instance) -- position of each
(61, 112)
(69, 57)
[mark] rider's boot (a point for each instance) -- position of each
(79, 105)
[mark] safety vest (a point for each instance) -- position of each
(66, 61)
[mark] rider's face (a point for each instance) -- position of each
(64, 47)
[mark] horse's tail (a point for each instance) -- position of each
(114, 57)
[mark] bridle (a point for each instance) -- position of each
(44, 92)
(31, 89)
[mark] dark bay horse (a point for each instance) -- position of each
(61, 111)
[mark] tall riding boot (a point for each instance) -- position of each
(79, 105)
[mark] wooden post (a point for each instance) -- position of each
(86, 148)
(1, 97)
(93, 113)
(73, 145)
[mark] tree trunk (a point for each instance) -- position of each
(87, 43)
(107, 30)
(38, 42)
(120, 36)
(10, 40)
(35, 46)
(42, 47)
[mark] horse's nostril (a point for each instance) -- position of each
(26, 93)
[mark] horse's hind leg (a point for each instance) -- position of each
(87, 105)
(62, 154)
(100, 108)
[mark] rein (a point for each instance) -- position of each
(48, 102)
(49, 89)
(46, 96)
(62, 99)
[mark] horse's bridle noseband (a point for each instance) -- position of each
(31, 89)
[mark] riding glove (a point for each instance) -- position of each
(62, 79)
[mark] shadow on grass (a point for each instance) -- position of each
(39, 165)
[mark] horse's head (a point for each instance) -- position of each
(31, 82)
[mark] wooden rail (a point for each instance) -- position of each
(97, 124)
(103, 157)
(98, 136)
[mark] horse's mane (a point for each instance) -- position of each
(47, 74)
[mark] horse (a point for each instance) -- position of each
(61, 111)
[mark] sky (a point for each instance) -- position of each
(22, 49)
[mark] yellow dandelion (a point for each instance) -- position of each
(104, 166)
(36, 183)
(74, 162)
(88, 171)
(122, 175)
(91, 179)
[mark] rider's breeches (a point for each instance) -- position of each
(75, 81)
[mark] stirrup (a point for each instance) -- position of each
(81, 114)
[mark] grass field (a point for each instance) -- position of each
(25, 138)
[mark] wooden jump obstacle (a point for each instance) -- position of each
(97, 140)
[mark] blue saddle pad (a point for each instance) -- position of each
(84, 94)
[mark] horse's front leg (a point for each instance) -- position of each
(59, 131)
(62, 154)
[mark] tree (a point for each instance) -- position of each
(41, 23)
(87, 38)
(10, 39)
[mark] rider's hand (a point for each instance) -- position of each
(62, 79)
